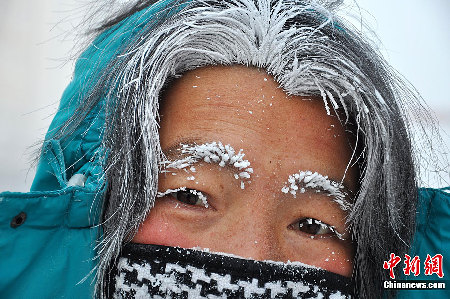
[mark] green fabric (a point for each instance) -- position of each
(53, 250)
(432, 237)
(50, 254)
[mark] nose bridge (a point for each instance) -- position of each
(253, 233)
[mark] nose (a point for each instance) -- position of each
(250, 233)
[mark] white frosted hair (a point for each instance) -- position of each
(310, 51)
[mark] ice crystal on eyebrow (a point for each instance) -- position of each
(214, 152)
(307, 179)
(195, 192)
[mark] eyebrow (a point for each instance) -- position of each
(304, 181)
(187, 152)
(173, 153)
(174, 156)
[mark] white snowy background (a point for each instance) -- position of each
(35, 67)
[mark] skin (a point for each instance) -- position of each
(282, 135)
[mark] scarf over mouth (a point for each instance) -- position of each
(156, 271)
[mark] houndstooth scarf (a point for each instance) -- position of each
(154, 271)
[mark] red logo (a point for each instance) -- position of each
(412, 265)
(432, 265)
(393, 261)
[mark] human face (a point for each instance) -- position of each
(280, 135)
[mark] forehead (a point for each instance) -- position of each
(246, 108)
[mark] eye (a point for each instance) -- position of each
(187, 196)
(316, 227)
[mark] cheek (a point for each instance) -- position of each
(337, 261)
(329, 254)
(158, 229)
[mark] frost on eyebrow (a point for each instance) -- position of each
(302, 180)
(214, 152)
(195, 192)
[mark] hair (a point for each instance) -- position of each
(310, 51)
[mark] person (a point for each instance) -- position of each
(223, 148)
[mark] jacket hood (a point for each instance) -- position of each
(75, 136)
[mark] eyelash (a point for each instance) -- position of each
(307, 223)
(182, 194)
(179, 193)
